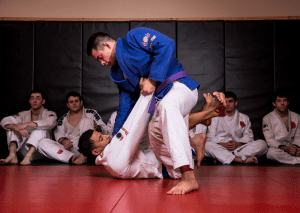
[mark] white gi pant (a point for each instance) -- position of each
(129, 154)
(56, 151)
(253, 148)
(34, 139)
(281, 156)
(168, 129)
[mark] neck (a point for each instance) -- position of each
(282, 114)
(76, 112)
(231, 113)
(36, 111)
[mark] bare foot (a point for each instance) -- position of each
(251, 159)
(198, 144)
(187, 184)
(10, 159)
(26, 160)
(79, 160)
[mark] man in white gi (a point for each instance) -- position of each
(281, 129)
(69, 128)
(26, 129)
(129, 154)
(230, 138)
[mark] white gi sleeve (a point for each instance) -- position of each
(93, 114)
(48, 121)
(60, 132)
(269, 133)
(13, 119)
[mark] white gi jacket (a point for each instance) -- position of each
(65, 131)
(47, 120)
(240, 131)
(276, 133)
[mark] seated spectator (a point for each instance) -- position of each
(69, 128)
(27, 128)
(230, 138)
(281, 131)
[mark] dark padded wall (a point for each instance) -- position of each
(58, 61)
(99, 91)
(201, 52)
(16, 42)
(287, 60)
(250, 58)
(249, 67)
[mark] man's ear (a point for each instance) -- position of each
(96, 152)
(44, 101)
(273, 104)
(236, 102)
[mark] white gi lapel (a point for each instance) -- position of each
(230, 127)
(281, 129)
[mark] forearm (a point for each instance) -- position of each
(200, 117)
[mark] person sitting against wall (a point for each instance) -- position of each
(230, 138)
(26, 129)
(69, 128)
(281, 129)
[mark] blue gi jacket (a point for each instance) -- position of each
(147, 53)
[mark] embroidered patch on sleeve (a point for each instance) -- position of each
(242, 124)
(146, 39)
(60, 151)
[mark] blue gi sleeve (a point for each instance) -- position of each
(127, 101)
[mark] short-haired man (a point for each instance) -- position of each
(281, 129)
(26, 129)
(69, 128)
(230, 138)
(129, 154)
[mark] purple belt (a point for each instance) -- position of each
(163, 85)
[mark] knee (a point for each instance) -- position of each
(272, 152)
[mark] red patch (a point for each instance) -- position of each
(60, 151)
(293, 125)
(242, 124)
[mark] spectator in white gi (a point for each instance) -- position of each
(27, 128)
(230, 138)
(69, 128)
(281, 129)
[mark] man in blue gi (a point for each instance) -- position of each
(145, 60)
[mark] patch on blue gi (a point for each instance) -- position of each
(146, 39)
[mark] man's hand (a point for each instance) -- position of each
(97, 128)
(292, 150)
(24, 133)
(147, 86)
(67, 144)
(231, 145)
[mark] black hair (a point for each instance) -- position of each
(74, 94)
(96, 40)
(85, 144)
(38, 91)
(229, 94)
(280, 94)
